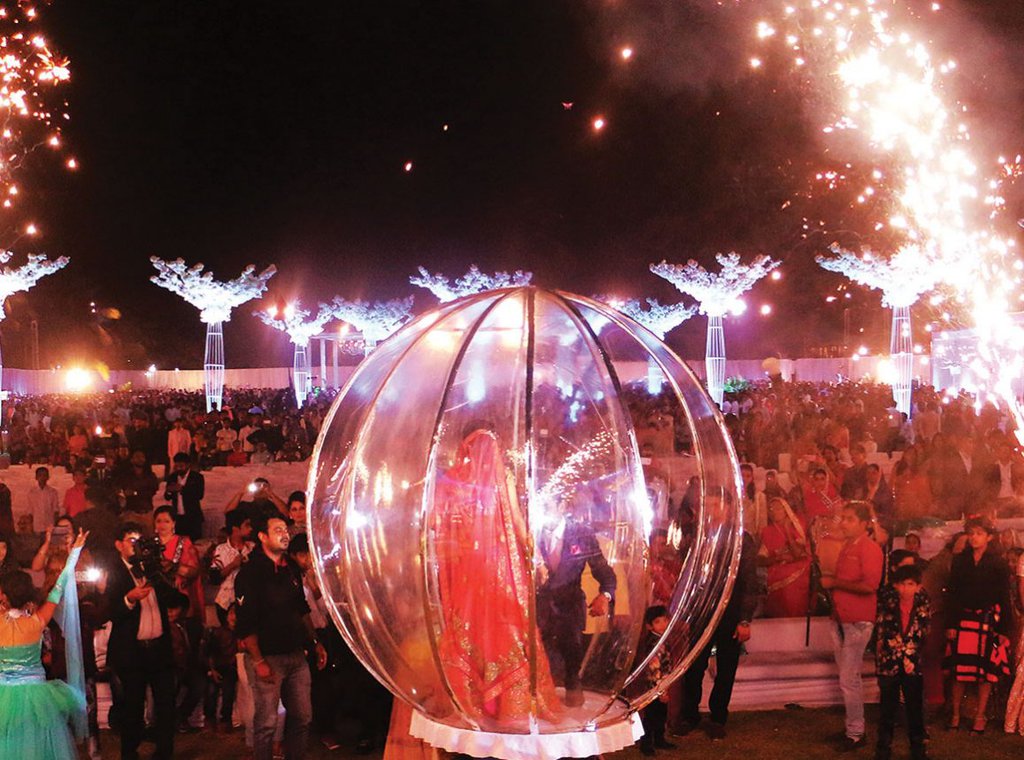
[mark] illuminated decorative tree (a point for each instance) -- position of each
(215, 301)
(16, 279)
(300, 328)
(902, 279)
(716, 293)
(376, 321)
(660, 319)
(474, 281)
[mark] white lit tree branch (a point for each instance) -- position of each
(474, 281)
(300, 326)
(716, 294)
(376, 321)
(660, 319)
(17, 279)
(215, 300)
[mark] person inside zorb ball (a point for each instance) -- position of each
(497, 501)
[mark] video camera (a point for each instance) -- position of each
(147, 561)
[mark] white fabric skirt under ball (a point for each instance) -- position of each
(609, 738)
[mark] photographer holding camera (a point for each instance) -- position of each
(139, 650)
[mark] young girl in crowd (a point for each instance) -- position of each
(977, 621)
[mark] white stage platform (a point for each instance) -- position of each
(778, 669)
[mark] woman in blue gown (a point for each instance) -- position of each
(37, 716)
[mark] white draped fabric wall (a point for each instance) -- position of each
(27, 381)
(24, 381)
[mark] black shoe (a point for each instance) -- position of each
(647, 750)
(716, 731)
(849, 744)
(660, 743)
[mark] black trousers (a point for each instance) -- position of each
(653, 717)
(561, 621)
(912, 687)
(728, 659)
(156, 672)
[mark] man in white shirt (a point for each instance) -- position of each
(243, 435)
(226, 436)
(179, 440)
(229, 556)
(43, 504)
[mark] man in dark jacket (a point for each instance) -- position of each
(185, 490)
(139, 650)
(733, 629)
(567, 547)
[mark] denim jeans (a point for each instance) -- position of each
(291, 685)
(849, 650)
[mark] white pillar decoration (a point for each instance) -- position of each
(902, 279)
(300, 328)
(213, 365)
(714, 358)
(375, 321)
(474, 281)
(16, 279)
(716, 293)
(215, 301)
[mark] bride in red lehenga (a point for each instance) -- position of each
(483, 548)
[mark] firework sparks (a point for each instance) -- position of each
(887, 87)
(32, 73)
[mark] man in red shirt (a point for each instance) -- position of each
(854, 598)
(74, 497)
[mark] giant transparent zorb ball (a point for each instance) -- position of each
(482, 524)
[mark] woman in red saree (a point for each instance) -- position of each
(484, 582)
(784, 551)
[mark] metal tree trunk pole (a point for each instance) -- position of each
(302, 373)
(714, 359)
(902, 355)
(213, 366)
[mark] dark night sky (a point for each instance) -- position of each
(231, 132)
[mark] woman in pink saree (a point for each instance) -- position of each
(784, 551)
(484, 582)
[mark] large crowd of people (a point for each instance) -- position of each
(222, 629)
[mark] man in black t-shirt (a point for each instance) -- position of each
(275, 631)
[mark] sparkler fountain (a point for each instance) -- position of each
(716, 295)
(902, 279)
(474, 281)
(215, 301)
(376, 321)
(300, 328)
(883, 82)
(16, 279)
